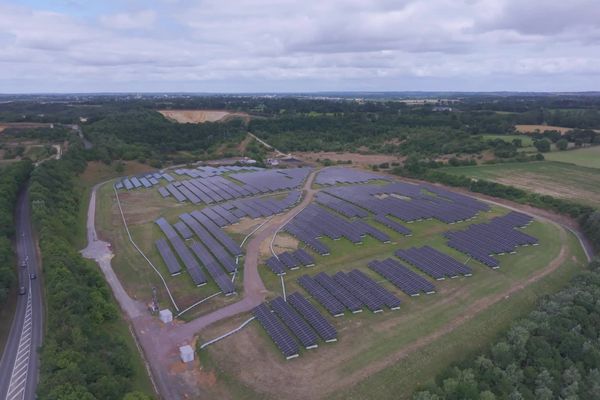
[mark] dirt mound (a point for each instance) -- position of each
(199, 116)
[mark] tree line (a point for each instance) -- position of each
(82, 358)
(12, 179)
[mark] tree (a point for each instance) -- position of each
(542, 145)
(562, 144)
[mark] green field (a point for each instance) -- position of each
(556, 179)
(347, 369)
(586, 157)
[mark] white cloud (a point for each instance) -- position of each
(311, 45)
(137, 20)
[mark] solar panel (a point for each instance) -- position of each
(305, 334)
(275, 329)
(326, 299)
(345, 297)
(168, 257)
(389, 299)
(325, 330)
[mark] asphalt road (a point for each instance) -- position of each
(19, 367)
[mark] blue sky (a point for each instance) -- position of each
(313, 45)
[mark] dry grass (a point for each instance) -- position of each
(199, 116)
(356, 158)
(541, 128)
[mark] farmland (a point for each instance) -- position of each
(546, 177)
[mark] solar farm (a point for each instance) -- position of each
(367, 267)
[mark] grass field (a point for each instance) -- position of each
(586, 157)
(365, 362)
(557, 179)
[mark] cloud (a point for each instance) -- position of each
(311, 45)
(137, 20)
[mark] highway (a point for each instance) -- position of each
(19, 366)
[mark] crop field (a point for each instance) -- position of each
(557, 179)
(540, 128)
(585, 157)
(390, 354)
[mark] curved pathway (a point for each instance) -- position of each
(160, 342)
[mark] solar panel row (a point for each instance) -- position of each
(498, 236)
(216, 189)
(314, 222)
(403, 278)
(337, 175)
(407, 202)
(275, 329)
(144, 180)
(434, 263)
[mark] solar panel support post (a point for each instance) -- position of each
(283, 287)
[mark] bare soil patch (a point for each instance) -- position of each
(200, 116)
(550, 188)
(541, 128)
(356, 158)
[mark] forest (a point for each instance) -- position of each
(81, 358)
(12, 179)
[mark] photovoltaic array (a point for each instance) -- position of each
(294, 322)
(353, 291)
(143, 181)
(434, 263)
(289, 260)
(217, 189)
(499, 236)
(314, 222)
(337, 175)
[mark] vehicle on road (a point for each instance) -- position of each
(24, 264)
(32, 275)
(22, 290)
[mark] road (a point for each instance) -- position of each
(19, 368)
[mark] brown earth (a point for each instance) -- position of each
(200, 116)
(356, 158)
(542, 128)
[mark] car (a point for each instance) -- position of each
(32, 275)
(22, 290)
(24, 264)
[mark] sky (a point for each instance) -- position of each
(299, 46)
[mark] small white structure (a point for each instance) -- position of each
(166, 316)
(186, 353)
